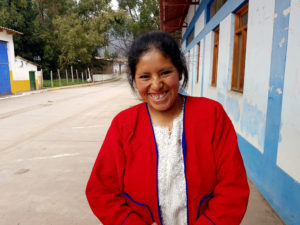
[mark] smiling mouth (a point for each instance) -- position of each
(158, 96)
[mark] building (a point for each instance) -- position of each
(7, 58)
(16, 74)
(109, 66)
(245, 54)
(26, 75)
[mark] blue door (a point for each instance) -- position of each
(4, 70)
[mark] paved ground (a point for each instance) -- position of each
(48, 144)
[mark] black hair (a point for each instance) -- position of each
(161, 41)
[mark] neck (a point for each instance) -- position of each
(165, 118)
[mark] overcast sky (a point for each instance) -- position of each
(114, 4)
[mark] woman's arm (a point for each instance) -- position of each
(104, 190)
(230, 198)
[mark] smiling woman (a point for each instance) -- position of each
(172, 160)
(157, 81)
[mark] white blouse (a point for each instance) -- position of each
(171, 178)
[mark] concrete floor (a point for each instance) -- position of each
(48, 144)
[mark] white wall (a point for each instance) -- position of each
(190, 14)
(288, 150)
(257, 71)
(225, 54)
(208, 90)
(199, 25)
(22, 68)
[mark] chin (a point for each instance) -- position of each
(160, 108)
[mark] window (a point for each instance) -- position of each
(214, 7)
(239, 51)
(190, 37)
(215, 58)
(198, 62)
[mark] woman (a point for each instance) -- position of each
(172, 159)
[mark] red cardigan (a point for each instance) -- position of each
(123, 188)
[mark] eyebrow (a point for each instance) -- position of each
(167, 68)
(163, 69)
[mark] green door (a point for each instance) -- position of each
(32, 80)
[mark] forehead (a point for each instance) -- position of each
(153, 59)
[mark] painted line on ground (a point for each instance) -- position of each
(49, 157)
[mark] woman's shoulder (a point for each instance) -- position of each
(130, 114)
(203, 103)
(205, 108)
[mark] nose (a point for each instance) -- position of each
(157, 83)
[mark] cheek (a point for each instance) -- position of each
(141, 88)
(173, 82)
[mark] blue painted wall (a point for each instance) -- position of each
(4, 70)
(279, 188)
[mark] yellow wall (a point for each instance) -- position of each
(19, 85)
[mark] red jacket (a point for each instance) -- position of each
(123, 185)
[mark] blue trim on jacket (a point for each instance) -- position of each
(209, 219)
(184, 157)
(201, 201)
(126, 218)
(184, 154)
(159, 215)
(140, 205)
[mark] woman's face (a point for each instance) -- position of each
(157, 80)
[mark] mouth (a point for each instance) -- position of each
(158, 96)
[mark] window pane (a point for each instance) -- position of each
(212, 9)
(219, 4)
(215, 6)
(238, 67)
(191, 37)
(245, 19)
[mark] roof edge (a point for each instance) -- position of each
(10, 31)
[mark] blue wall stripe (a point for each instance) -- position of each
(277, 72)
(192, 61)
(229, 7)
(280, 190)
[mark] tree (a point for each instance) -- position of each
(77, 38)
(57, 33)
(144, 15)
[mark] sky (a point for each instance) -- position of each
(114, 4)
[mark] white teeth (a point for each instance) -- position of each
(158, 96)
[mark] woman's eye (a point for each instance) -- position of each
(144, 76)
(166, 72)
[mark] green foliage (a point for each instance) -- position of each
(60, 33)
(143, 14)
(133, 18)
(57, 33)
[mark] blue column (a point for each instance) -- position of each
(276, 83)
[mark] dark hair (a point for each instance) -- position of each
(161, 41)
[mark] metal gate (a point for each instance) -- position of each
(4, 70)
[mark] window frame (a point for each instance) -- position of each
(214, 75)
(239, 60)
(198, 62)
(190, 37)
